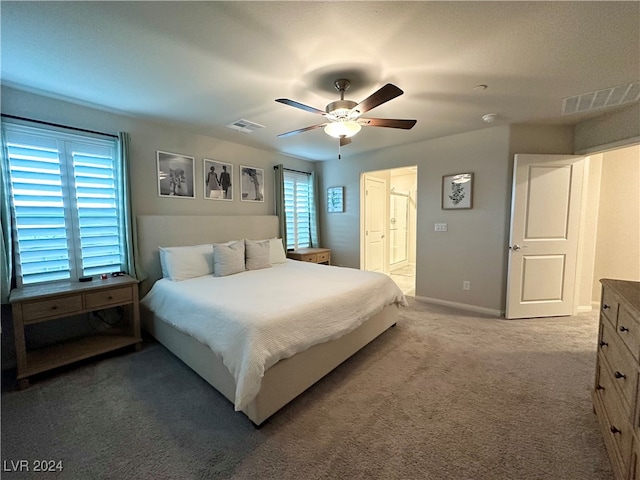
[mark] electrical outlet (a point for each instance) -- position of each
(466, 285)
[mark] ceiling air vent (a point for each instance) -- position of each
(609, 97)
(244, 126)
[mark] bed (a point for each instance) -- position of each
(260, 336)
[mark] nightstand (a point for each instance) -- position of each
(45, 302)
(311, 255)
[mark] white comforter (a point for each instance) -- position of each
(255, 318)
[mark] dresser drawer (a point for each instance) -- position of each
(108, 297)
(622, 366)
(52, 307)
(628, 329)
(323, 257)
(617, 425)
(609, 306)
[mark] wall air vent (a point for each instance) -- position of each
(244, 126)
(609, 97)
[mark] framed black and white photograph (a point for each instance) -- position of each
(251, 184)
(218, 180)
(457, 191)
(175, 175)
(335, 199)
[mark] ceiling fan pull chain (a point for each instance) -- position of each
(339, 157)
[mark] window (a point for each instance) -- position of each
(297, 207)
(66, 203)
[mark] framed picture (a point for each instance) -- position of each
(335, 199)
(251, 184)
(218, 180)
(175, 175)
(457, 191)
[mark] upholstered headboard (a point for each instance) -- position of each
(180, 230)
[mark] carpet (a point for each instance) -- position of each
(444, 395)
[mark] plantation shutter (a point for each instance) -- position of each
(65, 203)
(297, 208)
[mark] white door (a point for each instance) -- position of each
(545, 214)
(375, 242)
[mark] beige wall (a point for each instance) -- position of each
(612, 130)
(475, 246)
(617, 249)
(146, 138)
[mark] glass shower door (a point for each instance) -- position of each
(398, 229)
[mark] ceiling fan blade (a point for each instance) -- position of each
(384, 94)
(345, 141)
(300, 130)
(301, 106)
(387, 122)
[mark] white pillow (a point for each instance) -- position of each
(257, 254)
(276, 251)
(182, 263)
(228, 258)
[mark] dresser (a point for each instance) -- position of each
(615, 394)
(48, 302)
(313, 255)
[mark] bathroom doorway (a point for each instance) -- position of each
(398, 221)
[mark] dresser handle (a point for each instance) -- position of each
(110, 298)
(604, 344)
(55, 307)
(615, 430)
(619, 375)
(605, 306)
(624, 329)
(600, 387)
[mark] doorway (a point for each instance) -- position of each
(397, 216)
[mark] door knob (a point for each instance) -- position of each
(515, 247)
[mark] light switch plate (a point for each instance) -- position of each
(440, 227)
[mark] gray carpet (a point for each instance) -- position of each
(444, 395)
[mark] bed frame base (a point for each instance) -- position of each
(286, 379)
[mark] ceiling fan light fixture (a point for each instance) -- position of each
(342, 129)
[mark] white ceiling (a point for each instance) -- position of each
(206, 64)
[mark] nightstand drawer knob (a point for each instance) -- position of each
(619, 375)
(615, 430)
(624, 329)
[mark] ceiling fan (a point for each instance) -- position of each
(343, 116)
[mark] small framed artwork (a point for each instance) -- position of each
(218, 180)
(457, 191)
(251, 184)
(335, 199)
(175, 175)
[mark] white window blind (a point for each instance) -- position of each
(66, 204)
(297, 209)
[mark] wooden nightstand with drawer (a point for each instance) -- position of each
(52, 301)
(615, 394)
(312, 255)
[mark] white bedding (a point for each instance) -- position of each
(255, 318)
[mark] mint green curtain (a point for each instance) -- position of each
(279, 202)
(6, 247)
(314, 209)
(128, 220)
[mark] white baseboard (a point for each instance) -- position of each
(585, 308)
(461, 306)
